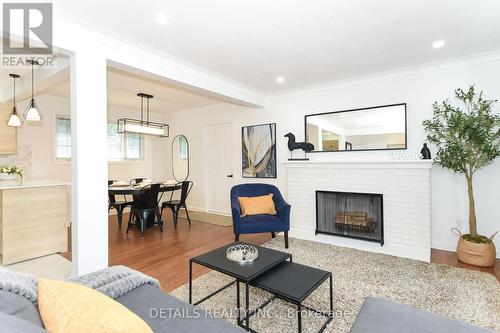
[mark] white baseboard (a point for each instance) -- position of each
(446, 247)
(197, 209)
(203, 210)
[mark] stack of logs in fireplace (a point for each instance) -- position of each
(354, 221)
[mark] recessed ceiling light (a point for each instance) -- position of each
(161, 18)
(437, 44)
(280, 79)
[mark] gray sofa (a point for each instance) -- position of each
(380, 316)
(17, 314)
(165, 313)
(178, 316)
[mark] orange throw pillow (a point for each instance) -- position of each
(73, 308)
(263, 204)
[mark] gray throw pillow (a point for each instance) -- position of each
(9, 324)
(20, 307)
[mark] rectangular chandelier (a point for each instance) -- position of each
(128, 125)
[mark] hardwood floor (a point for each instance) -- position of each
(165, 256)
(450, 258)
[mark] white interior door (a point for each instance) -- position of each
(220, 171)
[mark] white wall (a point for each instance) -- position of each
(91, 49)
(418, 88)
(40, 138)
(193, 123)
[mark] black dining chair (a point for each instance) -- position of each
(133, 182)
(145, 211)
(118, 205)
(176, 205)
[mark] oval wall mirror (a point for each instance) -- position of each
(180, 158)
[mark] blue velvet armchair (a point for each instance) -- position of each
(253, 224)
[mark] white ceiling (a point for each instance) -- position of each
(45, 79)
(306, 42)
(123, 88)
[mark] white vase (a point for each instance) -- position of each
(6, 176)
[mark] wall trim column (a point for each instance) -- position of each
(89, 162)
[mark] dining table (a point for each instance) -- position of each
(137, 191)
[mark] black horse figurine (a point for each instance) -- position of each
(292, 145)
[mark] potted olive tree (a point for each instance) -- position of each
(467, 137)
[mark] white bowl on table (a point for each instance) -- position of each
(120, 183)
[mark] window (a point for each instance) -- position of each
(133, 146)
(115, 144)
(120, 146)
(63, 137)
(123, 146)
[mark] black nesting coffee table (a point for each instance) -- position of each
(293, 283)
(242, 272)
(272, 271)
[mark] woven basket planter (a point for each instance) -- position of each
(482, 255)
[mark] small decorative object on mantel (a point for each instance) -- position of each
(465, 149)
(242, 253)
(292, 145)
(425, 153)
(10, 173)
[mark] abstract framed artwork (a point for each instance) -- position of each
(258, 151)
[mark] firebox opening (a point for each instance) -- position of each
(354, 215)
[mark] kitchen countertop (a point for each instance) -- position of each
(28, 183)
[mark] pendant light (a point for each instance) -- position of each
(127, 125)
(14, 119)
(32, 113)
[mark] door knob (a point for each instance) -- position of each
(230, 176)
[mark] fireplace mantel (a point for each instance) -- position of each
(404, 184)
(363, 163)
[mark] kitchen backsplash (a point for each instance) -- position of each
(21, 159)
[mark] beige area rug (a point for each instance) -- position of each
(466, 295)
(217, 219)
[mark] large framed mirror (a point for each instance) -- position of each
(374, 128)
(180, 158)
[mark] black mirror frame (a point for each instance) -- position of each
(359, 109)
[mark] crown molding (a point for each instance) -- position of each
(426, 67)
(92, 28)
(403, 71)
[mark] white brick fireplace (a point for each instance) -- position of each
(406, 189)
